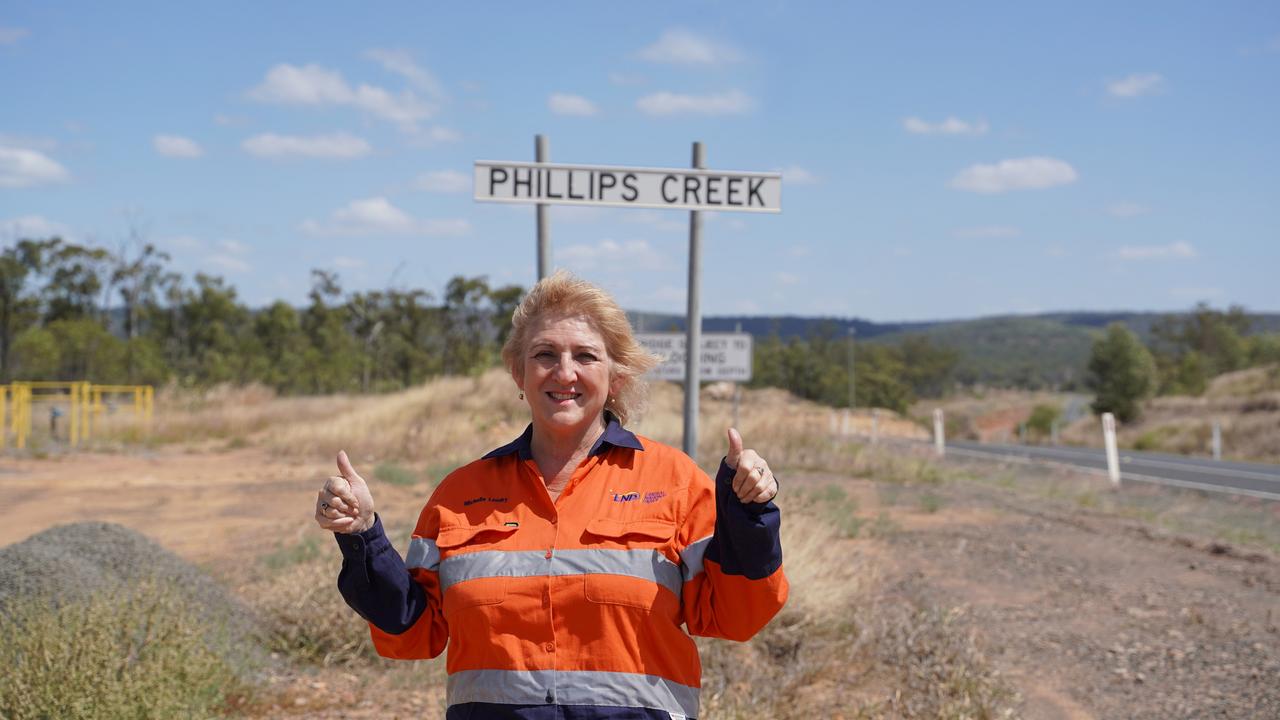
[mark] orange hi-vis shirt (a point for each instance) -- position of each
(588, 601)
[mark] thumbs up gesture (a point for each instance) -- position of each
(752, 480)
(344, 504)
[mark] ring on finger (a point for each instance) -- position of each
(324, 506)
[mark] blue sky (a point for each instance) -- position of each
(940, 160)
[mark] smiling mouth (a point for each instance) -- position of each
(562, 396)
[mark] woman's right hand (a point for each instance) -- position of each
(344, 504)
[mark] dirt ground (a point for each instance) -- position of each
(1086, 614)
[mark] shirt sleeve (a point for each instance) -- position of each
(400, 598)
(732, 561)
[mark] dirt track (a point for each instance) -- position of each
(1087, 615)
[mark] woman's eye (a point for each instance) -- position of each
(586, 357)
(543, 354)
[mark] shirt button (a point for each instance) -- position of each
(548, 553)
(550, 698)
(549, 647)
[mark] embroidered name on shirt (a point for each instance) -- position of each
(482, 498)
(654, 497)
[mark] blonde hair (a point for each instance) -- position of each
(563, 295)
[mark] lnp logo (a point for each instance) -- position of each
(625, 497)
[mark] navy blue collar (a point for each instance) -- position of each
(614, 435)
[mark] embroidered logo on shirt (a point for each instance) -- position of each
(654, 497)
(625, 497)
(482, 498)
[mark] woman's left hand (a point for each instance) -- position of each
(753, 482)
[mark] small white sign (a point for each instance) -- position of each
(672, 189)
(725, 356)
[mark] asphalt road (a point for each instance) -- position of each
(1255, 479)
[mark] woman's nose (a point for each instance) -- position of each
(564, 369)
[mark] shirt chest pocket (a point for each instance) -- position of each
(472, 575)
(627, 566)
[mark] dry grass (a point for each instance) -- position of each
(141, 652)
(832, 650)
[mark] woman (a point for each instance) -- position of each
(559, 568)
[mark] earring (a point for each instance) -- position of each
(521, 396)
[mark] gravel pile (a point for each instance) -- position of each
(74, 562)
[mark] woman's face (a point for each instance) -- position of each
(567, 374)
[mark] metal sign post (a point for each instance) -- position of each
(693, 323)
(542, 154)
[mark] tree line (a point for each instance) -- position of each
(73, 312)
(1183, 354)
(76, 312)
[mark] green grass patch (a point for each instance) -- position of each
(284, 556)
(396, 474)
(930, 502)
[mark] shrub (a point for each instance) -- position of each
(1122, 373)
(144, 651)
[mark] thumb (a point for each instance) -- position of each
(735, 448)
(345, 469)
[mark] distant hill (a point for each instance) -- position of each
(1030, 351)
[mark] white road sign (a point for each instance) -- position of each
(672, 189)
(725, 356)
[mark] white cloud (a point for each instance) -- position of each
(1136, 85)
(431, 136)
(336, 145)
(950, 126)
(401, 62)
(234, 247)
(631, 255)
(565, 104)
(796, 175)
(444, 181)
(1127, 210)
(348, 263)
(185, 242)
(1029, 173)
(377, 216)
(176, 146)
(678, 46)
(733, 102)
(1180, 250)
(20, 167)
(988, 231)
(230, 120)
(228, 263)
(11, 35)
(32, 227)
(314, 85)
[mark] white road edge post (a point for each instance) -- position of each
(939, 438)
(1217, 440)
(1109, 440)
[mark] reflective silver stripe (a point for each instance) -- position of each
(648, 565)
(691, 558)
(423, 553)
(584, 687)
